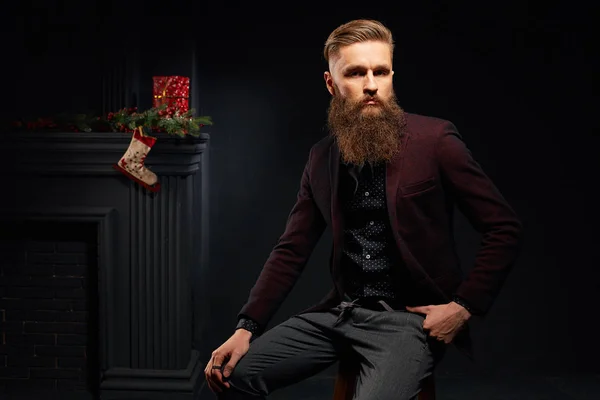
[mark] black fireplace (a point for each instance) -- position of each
(49, 303)
(96, 295)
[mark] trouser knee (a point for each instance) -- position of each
(233, 393)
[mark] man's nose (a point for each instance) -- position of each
(370, 84)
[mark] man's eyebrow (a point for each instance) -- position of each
(358, 67)
(353, 67)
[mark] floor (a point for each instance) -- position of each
(576, 387)
(470, 386)
(466, 388)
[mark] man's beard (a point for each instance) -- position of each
(363, 135)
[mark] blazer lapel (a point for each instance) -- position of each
(392, 182)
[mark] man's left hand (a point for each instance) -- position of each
(443, 321)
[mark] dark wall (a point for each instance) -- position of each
(513, 78)
(52, 58)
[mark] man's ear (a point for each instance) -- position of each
(329, 82)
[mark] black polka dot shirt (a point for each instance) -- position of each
(368, 243)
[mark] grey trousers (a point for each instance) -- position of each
(394, 352)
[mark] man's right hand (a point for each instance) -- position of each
(225, 358)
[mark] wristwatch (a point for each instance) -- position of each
(460, 301)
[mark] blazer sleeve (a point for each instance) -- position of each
(304, 227)
(483, 205)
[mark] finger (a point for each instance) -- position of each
(217, 359)
(207, 368)
(233, 360)
(216, 377)
(217, 373)
(209, 380)
(419, 309)
(215, 381)
(219, 379)
(207, 371)
(213, 387)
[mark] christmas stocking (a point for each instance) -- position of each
(131, 163)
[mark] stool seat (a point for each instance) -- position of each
(345, 382)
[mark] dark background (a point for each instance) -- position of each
(515, 78)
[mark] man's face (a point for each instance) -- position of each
(364, 116)
(362, 73)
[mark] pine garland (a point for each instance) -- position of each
(156, 119)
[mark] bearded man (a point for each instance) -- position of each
(386, 182)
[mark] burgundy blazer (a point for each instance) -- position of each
(433, 172)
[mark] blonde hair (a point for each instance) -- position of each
(359, 30)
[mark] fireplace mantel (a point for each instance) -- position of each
(77, 153)
(151, 249)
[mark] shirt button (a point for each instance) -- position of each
(368, 256)
(366, 193)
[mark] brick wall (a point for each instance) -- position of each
(48, 290)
